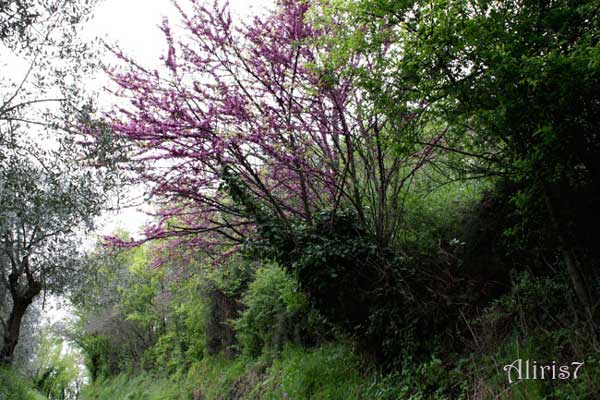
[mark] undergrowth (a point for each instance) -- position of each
(13, 386)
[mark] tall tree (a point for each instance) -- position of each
(45, 198)
(46, 195)
(517, 83)
(256, 103)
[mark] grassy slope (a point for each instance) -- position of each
(333, 372)
(330, 372)
(14, 386)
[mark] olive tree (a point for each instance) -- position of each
(48, 195)
(46, 201)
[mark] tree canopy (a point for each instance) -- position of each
(48, 196)
(352, 199)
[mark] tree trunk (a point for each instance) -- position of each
(13, 328)
(569, 256)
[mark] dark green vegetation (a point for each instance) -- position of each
(13, 386)
(250, 331)
(459, 238)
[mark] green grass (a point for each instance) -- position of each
(328, 372)
(335, 372)
(212, 376)
(14, 386)
(139, 387)
(331, 372)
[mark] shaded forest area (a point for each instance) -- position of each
(367, 199)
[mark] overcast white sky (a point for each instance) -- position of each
(133, 25)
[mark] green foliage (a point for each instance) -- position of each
(435, 211)
(537, 321)
(380, 297)
(542, 309)
(222, 290)
(119, 319)
(332, 260)
(137, 317)
(139, 291)
(190, 310)
(60, 375)
(329, 372)
(167, 355)
(162, 320)
(512, 89)
(127, 387)
(421, 272)
(214, 376)
(14, 386)
(101, 357)
(486, 377)
(429, 380)
(275, 312)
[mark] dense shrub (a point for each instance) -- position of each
(102, 359)
(275, 312)
(392, 304)
(14, 386)
(222, 291)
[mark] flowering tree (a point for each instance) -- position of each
(258, 104)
